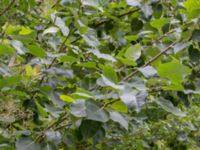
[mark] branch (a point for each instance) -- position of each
(151, 60)
(119, 16)
(7, 8)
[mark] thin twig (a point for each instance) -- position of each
(151, 60)
(62, 126)
(53, 61)
(7, 8)
(105, 21)
(109, 103)
(52, 125)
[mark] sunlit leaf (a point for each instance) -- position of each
(133, 52)
(174, 70)
(66, 98)
(159, 23)
(6, 49)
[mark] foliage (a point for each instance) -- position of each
(99, 74)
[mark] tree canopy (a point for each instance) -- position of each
(99, 74)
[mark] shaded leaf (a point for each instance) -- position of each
(94, 127)
(169, 107)
(117, 117)
(26, 144)
(133, 98)
(103, 81)
(133, 3)
(78, 108)
(136, 24)
(61, 24)
(196, 35)
(10, 81)
(180, 46)
(103, 56)
(41, 109)
(95, 113)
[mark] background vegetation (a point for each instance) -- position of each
(99, 74)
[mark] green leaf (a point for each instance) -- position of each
(119, 106)
(36, 51)
(95, 127)
(6, 50)
(41, 109)
(82, 94)
(174, 71)
(174, 86)
(169, 107)
(196, 35)
(10, 81)
(110, 73)
(194, 54)
(126, 61)
(25, 31)
(95, 113)
(191, 4)
(192, 7)
(136, 24)
(159, 23)
(88, 109)
(29, 70)
(66, 98)
(67, 58)
(133, 52)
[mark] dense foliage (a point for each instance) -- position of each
(99, 74)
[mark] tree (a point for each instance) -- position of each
(98, 74)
